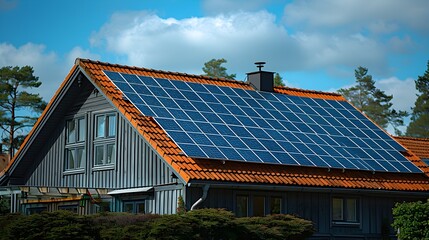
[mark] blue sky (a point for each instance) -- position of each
(312, 44)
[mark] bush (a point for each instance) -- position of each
(123, 225)
(210, 224)
(279, 226)
(53, 225)
(412, 220)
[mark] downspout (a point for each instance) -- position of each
(203, 197)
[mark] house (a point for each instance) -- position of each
(134, 139)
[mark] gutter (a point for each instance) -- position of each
(203, 197)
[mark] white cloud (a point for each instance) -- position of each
(403, 91)
(242, 38)
(78, 52)
(45, 65)
(50, 68)
(353, 15)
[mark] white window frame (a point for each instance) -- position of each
(78, 142)
(105, 141)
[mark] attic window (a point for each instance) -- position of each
(75, 153)
(105, 141)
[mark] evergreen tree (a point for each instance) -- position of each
(214, 68)
(373, 102)
(419, 125)
(14, 101)
(278, 80)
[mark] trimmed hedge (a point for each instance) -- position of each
(210, 224)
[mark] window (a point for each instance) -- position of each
(259, 206)
(344, 210)
(104, 142)
(242, 206)
(75, 144)
(134, 207)
(276, 205)
(105, 126)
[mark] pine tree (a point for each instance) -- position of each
(373, 102)
(278, 80)
(214, 68)
(419, 125)
(14, 101)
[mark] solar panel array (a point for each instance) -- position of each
(216, 122)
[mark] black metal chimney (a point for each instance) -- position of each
(261, 80)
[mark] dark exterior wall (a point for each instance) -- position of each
(137, 164)
(375, 209)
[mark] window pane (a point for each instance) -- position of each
(69, 159)
(111, 153)
(101, 126)
(276, 205)
(112, 125)
(81, 130)
(242, 206)
(80, 158)
(351, 210)
(259, 206)
(140, 208)
(71, 132)
(99, 153)
(129, 207)
(337, 209)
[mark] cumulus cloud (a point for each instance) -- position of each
(242, 38)
(45, 64)
(355, 15)
(48, 66)
(404, 92)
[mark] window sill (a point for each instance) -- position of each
(351, 224)
(104, 167)
(74, 171)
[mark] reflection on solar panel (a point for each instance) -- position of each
(216, 122)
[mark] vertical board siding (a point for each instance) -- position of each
(137, 163)
(375, 210)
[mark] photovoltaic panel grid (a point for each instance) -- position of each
(216, 122)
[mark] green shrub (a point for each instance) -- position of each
(412, 220)
(123, 225)
(213, 224)
(53, 225)
(279, 226)
(6, 221)
(203, 224)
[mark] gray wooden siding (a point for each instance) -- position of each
(137, 164)
(375, 210)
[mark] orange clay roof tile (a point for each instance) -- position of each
(419, 146)
(242, 172)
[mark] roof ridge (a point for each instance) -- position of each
(309, 91)
(87, 60)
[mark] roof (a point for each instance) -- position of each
(419, 146)
(195, 170)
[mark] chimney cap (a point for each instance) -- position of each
(260, 65)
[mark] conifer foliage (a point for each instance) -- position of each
(214, 68)
(14, 101)
(373, 102)
(419, 125)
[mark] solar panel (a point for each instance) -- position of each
(217, 122)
